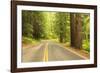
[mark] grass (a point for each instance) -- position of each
(26, 40)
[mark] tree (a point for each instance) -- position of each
(76, 30)
(32, 24)
(36, 22)
(86, 26)
(60, 26)
(27, 28)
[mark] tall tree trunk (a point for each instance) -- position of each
(76, 30)
(61, 38)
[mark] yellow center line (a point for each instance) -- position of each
(45, 57)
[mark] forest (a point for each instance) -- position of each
(71, 29)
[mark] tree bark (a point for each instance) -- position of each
(76, 30)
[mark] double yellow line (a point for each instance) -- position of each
(45, 57)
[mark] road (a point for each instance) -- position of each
(48, 51)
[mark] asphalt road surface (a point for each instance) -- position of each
(48, 51)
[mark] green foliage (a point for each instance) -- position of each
(86, 26)
(62, 26)
(27, 28)
(26, 40)
(27, 31)
(37, 22)
(49, 18)
(86, 45)
(86, 32)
